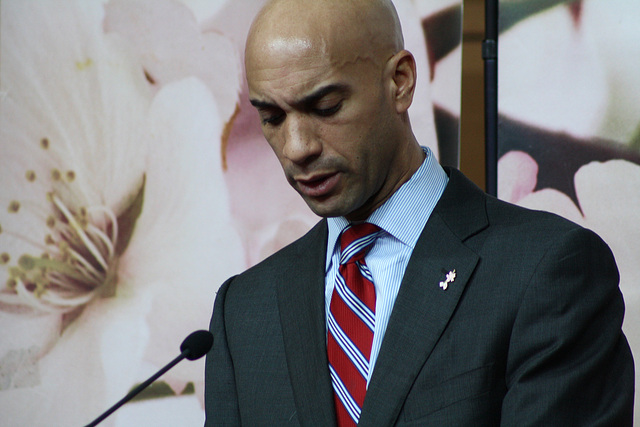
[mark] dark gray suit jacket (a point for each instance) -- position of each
(529, 333)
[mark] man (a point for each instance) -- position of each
(464, 311)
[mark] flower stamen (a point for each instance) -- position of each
(86, 267)
(14, 206)
(78, 262)
(79, 232)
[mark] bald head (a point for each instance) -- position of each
(343, 30)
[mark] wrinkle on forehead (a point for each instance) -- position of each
(290, 45)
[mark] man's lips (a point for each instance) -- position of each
(318, 185)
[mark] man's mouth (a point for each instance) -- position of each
(319, 185)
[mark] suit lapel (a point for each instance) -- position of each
(423, 308)
(302, 316)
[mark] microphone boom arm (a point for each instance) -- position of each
(138, 389)
(196, 345)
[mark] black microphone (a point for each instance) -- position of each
(196, 345)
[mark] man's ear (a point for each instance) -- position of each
(402, 67)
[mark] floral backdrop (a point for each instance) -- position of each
(133, 181)
(569, 132)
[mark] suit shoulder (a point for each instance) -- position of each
(468, 210)
(507, 214)
(528, 232)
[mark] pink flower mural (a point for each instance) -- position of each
(116, 229)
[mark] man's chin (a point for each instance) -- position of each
(325, 208)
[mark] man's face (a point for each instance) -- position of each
(328, 120)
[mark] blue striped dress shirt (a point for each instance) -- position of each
(402, 217)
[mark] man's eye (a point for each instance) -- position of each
(326, 112)
(273, 120)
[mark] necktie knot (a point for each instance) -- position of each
(356, 240)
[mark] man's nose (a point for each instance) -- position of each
(300, 142)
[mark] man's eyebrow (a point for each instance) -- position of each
(306, 101)
(261, 104)
(320, 93)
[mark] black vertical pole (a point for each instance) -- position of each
(490, 57)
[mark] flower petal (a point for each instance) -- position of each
(554, 201)
(185, 244)
(517, 176)
(609, 195)
(166, 37)
(557, 72)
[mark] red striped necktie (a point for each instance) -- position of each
(350, 323)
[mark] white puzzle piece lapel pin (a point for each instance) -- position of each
(451, 276)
